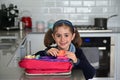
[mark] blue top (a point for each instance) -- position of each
(83, 64)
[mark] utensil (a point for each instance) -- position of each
(102, 22)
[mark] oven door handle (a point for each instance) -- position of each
(102, 48)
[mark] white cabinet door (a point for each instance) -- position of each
(35, 43)
(117, 56)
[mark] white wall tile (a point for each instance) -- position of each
(79, 17)
(43, 10)
(84, 10)
(113, 10)
(49, 4)
(62, 3)
(99, 10)
(62, 16)
(78, 11)
(69, 10)
(89, 3)
(55, 10)
(102, 3)
(112, 2)
(75, 3)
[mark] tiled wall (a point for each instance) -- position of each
(80, 12)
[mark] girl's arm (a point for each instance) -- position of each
(47, 52)
(84, 65)
(41, 53)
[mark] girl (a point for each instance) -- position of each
(67, 38)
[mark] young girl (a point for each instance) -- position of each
(67, 38)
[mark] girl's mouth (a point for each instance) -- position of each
(63, 44)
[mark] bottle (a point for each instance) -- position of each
(50, 23)
(40, 26)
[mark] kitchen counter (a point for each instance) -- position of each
(15, 73)
(9, 69)
(75, 75)
(109, 30)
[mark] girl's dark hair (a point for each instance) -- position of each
(48, 40)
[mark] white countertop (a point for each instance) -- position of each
(9, 69)
(109, 30)
(102, 31)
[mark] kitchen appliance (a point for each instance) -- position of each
(3, 19)
(102, 22)
(8, 17)
(3, 16)
(27, 21)
(91, 28)
(99, 52)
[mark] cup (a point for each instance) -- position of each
(50, 24)
(40, 26)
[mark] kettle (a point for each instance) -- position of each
(27, 21)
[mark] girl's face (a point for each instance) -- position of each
(63, 37)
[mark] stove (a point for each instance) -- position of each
(91, 28)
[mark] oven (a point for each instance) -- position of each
(100, 53)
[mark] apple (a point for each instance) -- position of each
(61, 53)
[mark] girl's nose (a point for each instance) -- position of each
(62, 38)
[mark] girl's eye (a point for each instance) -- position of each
(66, 35)
(58, 35)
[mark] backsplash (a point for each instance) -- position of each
(80, 12)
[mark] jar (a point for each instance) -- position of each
(50, 24)
(40, 26)
(27, 22)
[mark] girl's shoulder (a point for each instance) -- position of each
(79, 50)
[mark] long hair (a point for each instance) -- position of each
(77, 41)
(48, 40)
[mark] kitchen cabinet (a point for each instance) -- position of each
(117, 56)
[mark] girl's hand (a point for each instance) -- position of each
(72, 56)
(53, 52)
(61, 53)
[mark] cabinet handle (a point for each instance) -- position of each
(102, 48)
